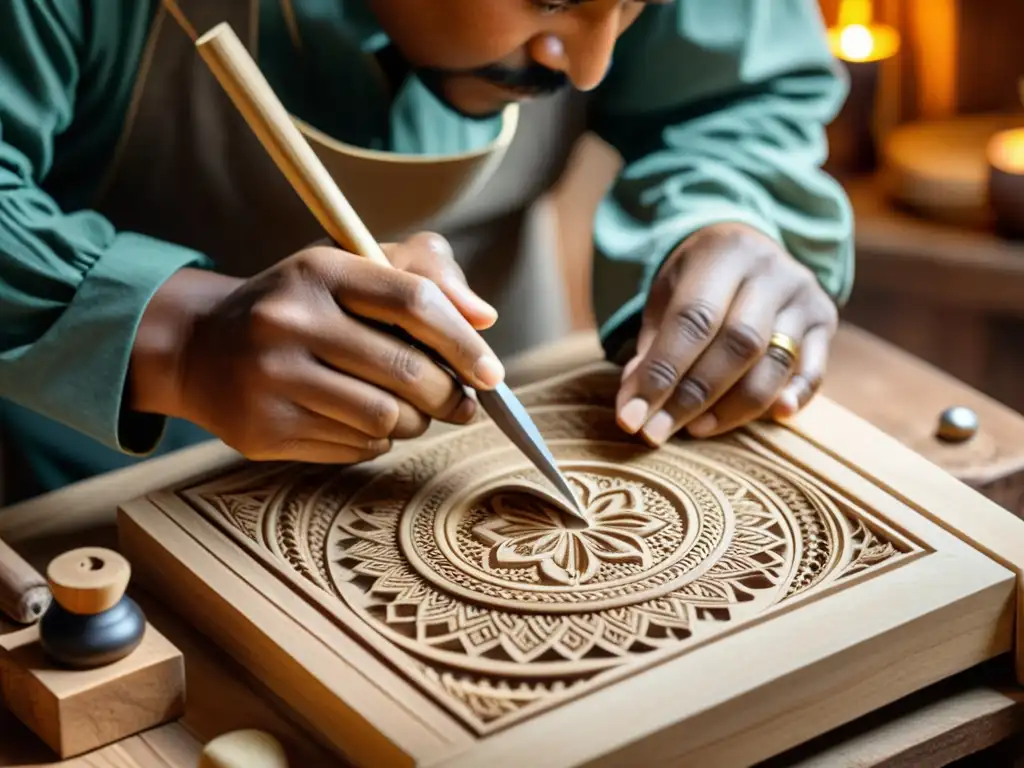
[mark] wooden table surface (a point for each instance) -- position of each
(893, 391)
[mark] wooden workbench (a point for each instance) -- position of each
(948, 294)
(902, 396)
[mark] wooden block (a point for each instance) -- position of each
(733, 597)
(75, 711)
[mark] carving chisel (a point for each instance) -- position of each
(252, 95)
(24, 594)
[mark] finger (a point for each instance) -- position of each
(346, 400)
(692, 317)
(740, 341)
(654, 309)
(413, 422)
(430, 255)
(632, 411)
(628, 368)
(420, 308)
(310, 425)
(658, 301)
(753, 395)
(810, 373)
(323, 452)
(291, 430)
(389, 363)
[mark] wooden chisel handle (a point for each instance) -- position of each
(252, 95)
(24, 593)
(248, 89)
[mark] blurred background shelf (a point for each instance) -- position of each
(951, 295)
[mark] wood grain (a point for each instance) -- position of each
(925, 487)
(76, 711)
(169, 746)
(223, 697)
(940, 609)
(951, 720)
(864, 370)
(499, 553)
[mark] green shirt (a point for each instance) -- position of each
(718, 108)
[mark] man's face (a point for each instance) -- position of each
(480, 55)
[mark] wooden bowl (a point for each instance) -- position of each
(940, 168)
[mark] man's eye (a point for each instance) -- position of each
(554, 6)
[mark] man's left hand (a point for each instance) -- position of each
(712, 352)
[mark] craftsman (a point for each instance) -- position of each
(160, 282)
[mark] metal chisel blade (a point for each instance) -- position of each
(512, 418)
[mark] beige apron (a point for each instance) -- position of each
(189, 170)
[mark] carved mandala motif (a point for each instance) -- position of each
(504, 606)
(524, 532)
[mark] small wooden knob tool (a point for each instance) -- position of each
(91, 671)
(92, 621)
(24, 596)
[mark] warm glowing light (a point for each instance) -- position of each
(1006, 151)
(856, 42)
(856, 12)
(857, 38)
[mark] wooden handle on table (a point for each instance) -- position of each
(24, 594)
(241, 79)
(252, 95)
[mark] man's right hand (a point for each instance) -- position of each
(282, 366)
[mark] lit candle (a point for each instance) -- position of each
(856, 38)
(1005, 154)
(861, 45)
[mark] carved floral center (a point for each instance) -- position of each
(524, 532)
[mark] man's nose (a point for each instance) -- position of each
(589, 51)
(583, 53)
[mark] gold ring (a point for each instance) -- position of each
(786, 344)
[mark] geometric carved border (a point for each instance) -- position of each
(501, 611)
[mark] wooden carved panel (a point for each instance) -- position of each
(446, 562)
(504, 606)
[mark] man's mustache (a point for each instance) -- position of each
(534, 79)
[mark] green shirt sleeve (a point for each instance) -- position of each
(72, 288)
(718, 109)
